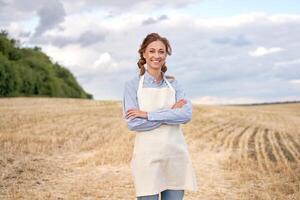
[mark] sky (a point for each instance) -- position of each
(224, 51)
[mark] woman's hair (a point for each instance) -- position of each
(151, 38)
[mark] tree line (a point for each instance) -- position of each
(30, 72)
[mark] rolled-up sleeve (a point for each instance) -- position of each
(174, 116)
(130, 101)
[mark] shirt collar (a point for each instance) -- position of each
(150, 78)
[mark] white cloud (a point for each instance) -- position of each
(261, 51)
(284, 18)
(104, 59)
(289, 62)
(296, 82)
(244, 19)
(106, 64)
(72, 56)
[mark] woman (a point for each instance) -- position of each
(154, 106)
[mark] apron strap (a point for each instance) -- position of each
(169, 84)
(141, 82)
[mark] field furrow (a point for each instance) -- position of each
(275, 149)
(208, 129)
(207, 133)
(252, 145)
(234, 143)
(284, 160)
(291, 148)
(229, 134)
(288, 156)
(216, 136)
(219, 143)
(266, 151)
(243, 144)
(294, 142)
(268, 147)
(261, 160)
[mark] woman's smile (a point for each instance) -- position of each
(156, 61)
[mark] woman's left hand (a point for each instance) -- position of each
(133, 113)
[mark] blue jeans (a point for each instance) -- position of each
(165, 195)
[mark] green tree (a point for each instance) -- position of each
(30, 72)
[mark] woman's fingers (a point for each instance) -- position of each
(182, 101)
(179, 103)
(131, 116)
(131, 113)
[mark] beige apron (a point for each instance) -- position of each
(160, 157)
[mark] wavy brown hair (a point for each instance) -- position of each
(151, 38)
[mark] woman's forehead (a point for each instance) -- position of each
(156, 45)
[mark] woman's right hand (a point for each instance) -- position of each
(179, 104)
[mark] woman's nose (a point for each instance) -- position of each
(156, 55)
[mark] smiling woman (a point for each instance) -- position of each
(154, 106)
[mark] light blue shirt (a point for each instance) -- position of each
(155, 119)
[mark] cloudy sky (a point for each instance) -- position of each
(224, 51)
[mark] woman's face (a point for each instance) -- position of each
(155, 54)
